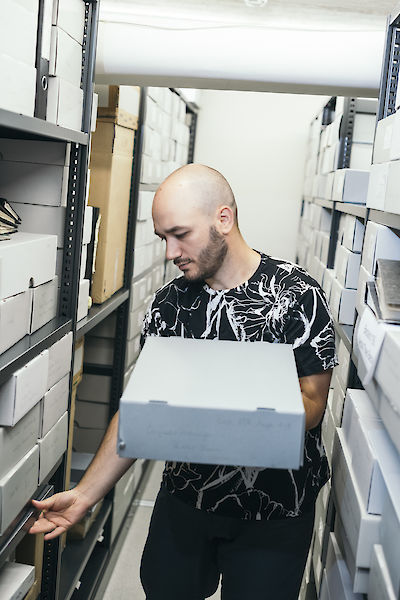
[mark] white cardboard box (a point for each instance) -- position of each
(379, 242)
(33, 183)
(44, 304)
(387, 372)
(23, 389)
(363, 277)
(160, 420)
(82, 271)
(145, 202)
(329, 276)
(337, 401)
(15, 315)
(69, 15)
(16, 441)
(377, 186)
(54, 404)
(343, 303)
(60, 355)
(83, 299)
(353, 234)
(87, 225)
(95, 388)
(373, 455)
(383, 139)
(136, 322)
(342, 370)
(361, 156)
(350, 186)
(138, 293)
(391, 418)
(64, 104)
(19, 94)
(337, 574)
(65, 57)
(87, 439)
(380, 585)
(18, 31)
(347, 267)
(358, 575)
(392, 201)
(390, 539)
(17, 487)
(362, 529)
(132, 350)
(46, 220)
(395, 143)
(16, 580)
(52, 446)
(92, 414)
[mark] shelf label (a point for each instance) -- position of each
(370, 335)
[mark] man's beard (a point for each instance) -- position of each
(210, 258)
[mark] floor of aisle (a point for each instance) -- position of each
(124, 582)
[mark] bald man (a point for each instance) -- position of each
(252, 526)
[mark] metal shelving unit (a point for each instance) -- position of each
(13, 125)
(384, 218)
(98, 312)
(357, 210)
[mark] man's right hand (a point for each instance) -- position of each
(59, 512)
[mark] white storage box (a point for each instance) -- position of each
(342, 370)
(159, 419)
(343, 303)
(16, 580)
(32, 183)
(329, 276)
(95, 388)
(138, 293)
(17, 487)
(350, 186)
(383, 139)
(377, 186)
(347, 267)
(54, 404)
(132, 350)
(44, 304)
(17, 441)
(390, 539)
(145, 203)
(69, 15)
(372, 453)
(391, 418)
(358, 575)
(337, 574)
(136, 322)
(353, 233)
(362, 529)
(48, 220)
(18, 31)
(87, 225)
(379, 242)
(60, 355)
(387, 372)
(380, 585)
(83, 299)
(392, 200)
(52, 446)
(38, 152)
(19, 94)
(92, 414)
(65, 57)
(24, 389)
(64, 104)
(15, 316)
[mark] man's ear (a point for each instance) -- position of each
(226, 219)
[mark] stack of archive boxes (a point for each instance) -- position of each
(33, 438)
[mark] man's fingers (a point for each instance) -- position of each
(42, 526)
(53, 534)
(43, 504)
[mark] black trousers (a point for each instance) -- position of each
(188, 550)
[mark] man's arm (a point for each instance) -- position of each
(67, 508)
(314, 389)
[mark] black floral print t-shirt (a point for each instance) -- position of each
(280, 303)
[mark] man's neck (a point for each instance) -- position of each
(240, 263)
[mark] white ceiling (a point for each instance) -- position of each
(285, 14)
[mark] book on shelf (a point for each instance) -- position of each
(9, 219)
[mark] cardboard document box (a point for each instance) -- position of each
(36, 151)
(87, 439)
(54, 404)
(145, 202)
(138, 293)
(350, 185)
(24, 389)
(92, 414)
(16, 580)
(337, 573)
(83, 299)
(64, 103)
(69, 15)
(136, 322)
(43, 219)
(17, 487)
(18, 30)
(19, 94)
(132, 351)
(358, 575)
(373, 455)
(60, 355)
(52, 446)
(119, 103)
(379, 242)
(95, 388)
(380, 585)
(353, 234)
(33, 183)
(35, 256)
(15, 315)
(383, 139)
(390, 538)
(44, 304)
(387, 372)
(377, 186)
(236, 421)
(65, 57)
(17, 441)
(392, 202)
(362, 529)
(347, 267)
(343, 303)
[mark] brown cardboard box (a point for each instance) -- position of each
(111, 170)
(115, 111)
(30, 552)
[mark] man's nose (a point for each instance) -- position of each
(172, 250)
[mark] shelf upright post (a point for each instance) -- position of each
(390, 70)
(71, 261)
(192, 132)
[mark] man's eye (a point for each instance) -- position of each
(179, 236)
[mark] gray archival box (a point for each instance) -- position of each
(214, 402)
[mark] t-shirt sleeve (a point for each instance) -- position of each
(309, 328)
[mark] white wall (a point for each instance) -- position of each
(258, 142)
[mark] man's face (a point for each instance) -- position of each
(192, 239)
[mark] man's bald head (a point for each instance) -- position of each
(205, 188)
